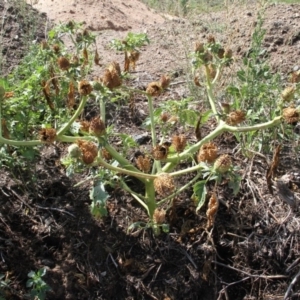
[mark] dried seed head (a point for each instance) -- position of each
(159, 216)
(160, 152)
(164, 184)
(63, 63)
(111, 77)
(44, 45)
(221, 53)
(211, 71)
(236, 117)
(97, 127)
(288, 93)
(223, 164)
(89, 151)
(179, 142)
(154, 89)
(207, 57)
(164, 81)
(8, 95)
(212, 209)
(211, 39)
(74, 151)
(84, 126)
(84, 88)
(143, 163)
(105, 154)
(199, 47)
(290, 115)
(164, 117)
(133, 57)
(208, 153)
(47, 135)
(228, 53)
(295, 77)
(56, 48)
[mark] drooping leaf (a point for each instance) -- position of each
(199, 195)
(99, 196)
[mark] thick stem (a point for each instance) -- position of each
(102, 108)
(150, 198)
(74, 117)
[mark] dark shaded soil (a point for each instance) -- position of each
(251, 253)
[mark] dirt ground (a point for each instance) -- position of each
(253, 251)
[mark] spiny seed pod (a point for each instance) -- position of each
(159, 216)
(236, 117)
(179, 142)
(290, 115)
(288, 93)
(63, 63)
(164, 117)
(84, 88)
(44, 45)
(89, 151)
(47, 135)
(164, 81)
(208, 153)
(199, 47)
(143, 163)
(56, 48)
(133, 57)
(97, 127)
(221, 53)
(211, 39)
(111, 77)
(228, 53)
(105, 154)
(160, 152)
(223, 164)
(164, 184)
(74, 151)
(295, 77)
(211, 71)
(154, 89)
(84, 126)
(8, 95)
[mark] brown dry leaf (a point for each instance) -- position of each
(85, 56)
(212, 209)
(97, 58)
(198, 129)
(71, 95)
(271, 172)
(46, 92)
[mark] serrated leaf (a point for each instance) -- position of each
(99, 196)
(199, 195)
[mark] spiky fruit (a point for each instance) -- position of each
(236, 117)
(105, 154)
(164, 184)
(89, 151)
(112, 76)
(97, 127)
(84, 88)
(84, 126)
(179, 142)
(212, 209)
(223, 164)
(288, 93)
(290, 115)
(160, 152)
(143, 163)
(208, 153)
(63, 63)
(74, 151)
(164, 81)
(159, 216)
(154, 89)
(48, 135)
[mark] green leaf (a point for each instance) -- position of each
(199, 195)
(98, 195)
(189, 117)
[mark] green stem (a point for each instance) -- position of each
(209, 89)
(75, 116)
(102, 107)
(153, 133)
(150, 198)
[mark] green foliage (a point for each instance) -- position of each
(99, 196)
(38, 286)
(133, 41)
